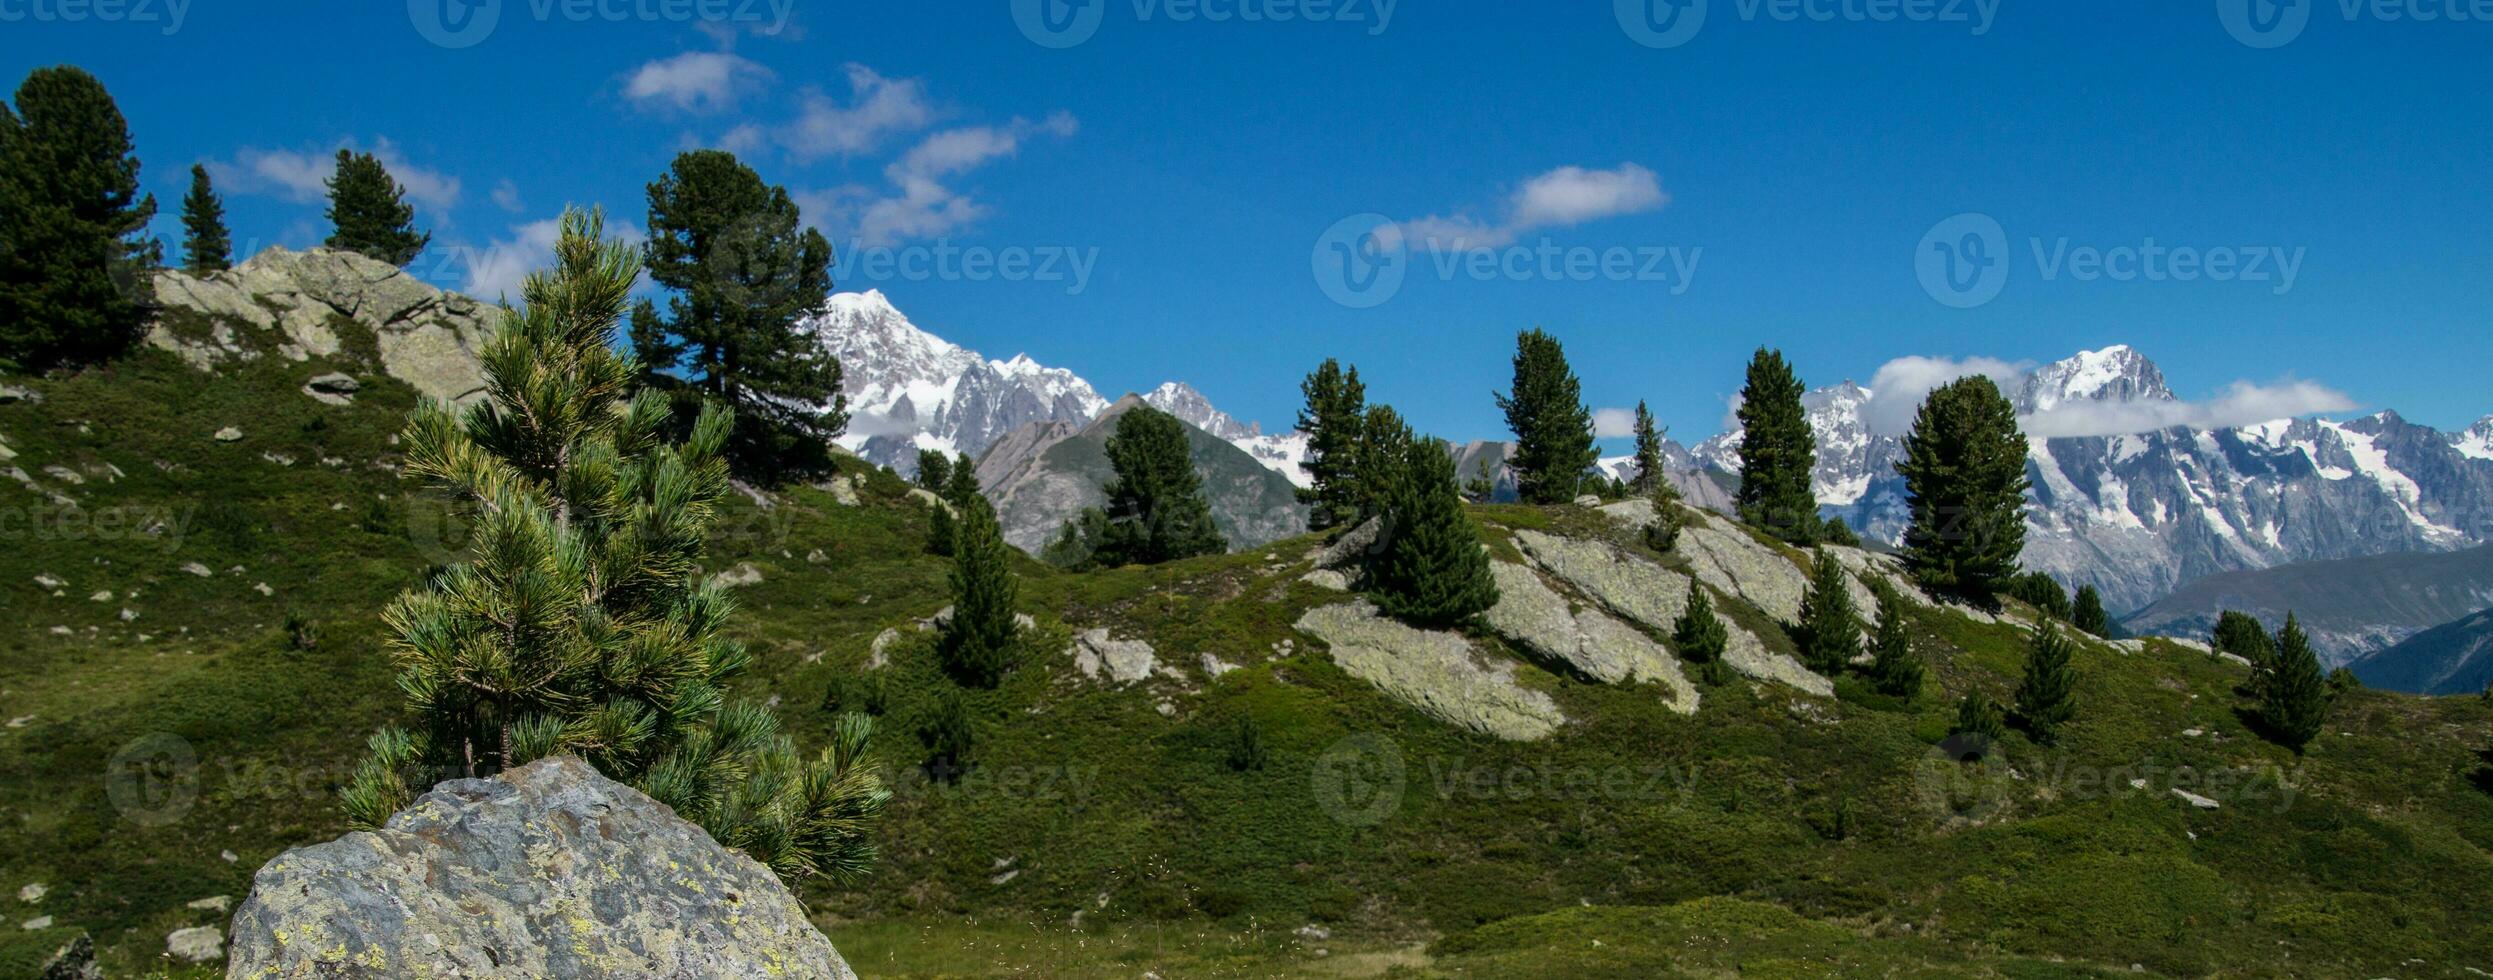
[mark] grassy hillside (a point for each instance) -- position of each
(1109, 829)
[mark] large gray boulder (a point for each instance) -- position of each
(1436, 672)
(291, 303)
(549, 870)
(1537, 618)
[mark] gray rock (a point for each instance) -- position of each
(38, 922)
(1736, 564)
(1352, 547)
(549, 870)
(198, 944)
(12, 394)
(1536, 617)
(742, 575)
(33, 892)
(1125, 661)
(1438, 673)
(229, 434)
(288, 302)
(1327, 578)
(1632, 587)
(333, 388)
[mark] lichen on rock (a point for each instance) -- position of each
(1438, 673)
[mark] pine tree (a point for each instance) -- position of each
(1964, 470)
(1662, 532)
(1431, 571)
(1977, 716)
(1839, 534)
(2240, 634)
(1384, 439)
(75, 261)
(2087, 613)
(370, 213)
(1699, 637)
(1778, 451)
(963, 486)
(2294, 698)
(979, 641)
(2039, 590)
(1553, 430)
(1894, 670)
(1156, 509)
(942, 526)
(1074, 545)
(580, 623)
(2044, 698)
(206, 247)
(1649, 473)
(934, 470)
(1336, 406)
(1829, 631)
(744, 271)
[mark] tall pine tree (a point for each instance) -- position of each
(743, 271)
(1553, 430)
(2087, 613)
(1778, 451)
(1337, 403)
(370, 213)
(1964, 472)
(1649, 473)
(1894, 669)
(75, 261)
(978, 643)
(1156, 509)
(1829, 631)
(1383, 440)
(2294, 695)
(2045, 699)
(2239, 633)
(1431, 571)
(580, 622)
(206, 247)
(934, 470)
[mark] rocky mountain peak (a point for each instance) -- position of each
(2118, 373)
(1182, 400)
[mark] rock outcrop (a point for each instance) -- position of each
(1536, 617)
(292, 303)
(549, 870)
(1438, 673)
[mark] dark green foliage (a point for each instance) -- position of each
(1964, 471)
(858, 693)
(1156, 508)
(2087, 612)
(301, 632)
(1553, 430)
(1431, 570)
(1648, 453)
(1075, 544)
(580, 621)
(1699, 636)
(206, 246)
(949, 737)
(2240, 634)
(1662, 532)
(1336, 408)
(1838, 533)
(942, 530)
(1829, 631)
(2343, 681)
(369, 213)
(74, 256)
(743, 269)
(963, 485)
(934, 470)
(1894, 669)
(1777, 452)
(1384, 442)
(980, 641)
(1246, 745)
(2045, 699)
(1979, 716)
(2293, 694)
(2041, 591)
(1483, 485)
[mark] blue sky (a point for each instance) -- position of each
(1773, 177)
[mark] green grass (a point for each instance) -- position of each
(1771, 833)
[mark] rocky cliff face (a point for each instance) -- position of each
(320, 303)
(549, 870)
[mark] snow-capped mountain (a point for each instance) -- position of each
(909, 390)
(2137, 515)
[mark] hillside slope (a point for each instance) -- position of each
(2350, 606)
(2453, 658)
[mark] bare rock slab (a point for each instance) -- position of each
(1438, 673)
(548, 870)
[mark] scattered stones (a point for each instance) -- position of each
(229, 434)
(742, 575)
(198, 944)
(228, 857)
(1125, 661)
(1438, 673)
(49, 581)
(546, 870)
(1214, 667)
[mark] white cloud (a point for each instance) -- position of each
(496, 270)
(1901, 384)
(879, 109)
(920, 204)
(506, 195)
(1561, 198)
(694, 81)
(2242, 403)
(302, 175)
(1613, 423)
